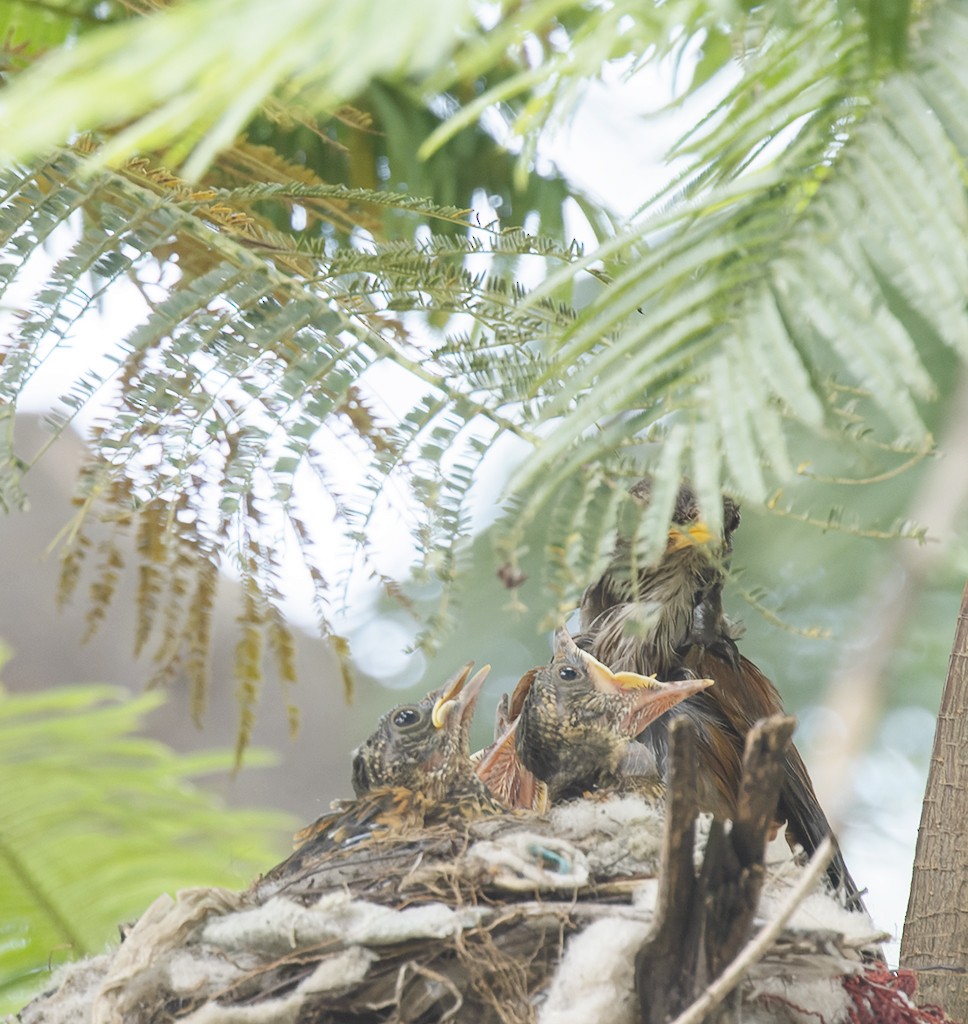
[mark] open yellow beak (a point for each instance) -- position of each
(695, 534)
(648, 705)
(606, 681)
(441, 712)
(456, 694)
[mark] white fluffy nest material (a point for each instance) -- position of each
(508, 919)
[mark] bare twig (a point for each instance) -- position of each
(760, 944)
(702, 923)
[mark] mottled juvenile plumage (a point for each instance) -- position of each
(667, 619)
(414, 770)
(658, 618)
(425, 746)
(578, 720)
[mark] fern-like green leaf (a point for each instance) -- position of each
(788, 290)
(177, 75)
(97, 822)
(723, 302)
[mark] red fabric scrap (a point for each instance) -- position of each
(882, 996)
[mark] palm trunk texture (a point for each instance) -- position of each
(935, 941)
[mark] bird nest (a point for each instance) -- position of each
(511, 918)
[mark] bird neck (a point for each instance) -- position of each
(645, 632)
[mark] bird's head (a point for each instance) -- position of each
(688, 528)
(641, 609)
(579, 720)
(425, 745)
(623, 703)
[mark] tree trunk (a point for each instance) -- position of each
(935, 941)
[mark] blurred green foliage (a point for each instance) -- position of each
(96, 822)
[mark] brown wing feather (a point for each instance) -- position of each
(499, 767)
(379, 812)
(520, 692)
(510, 783)
(744, 695)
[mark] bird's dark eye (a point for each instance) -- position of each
(567, 673)
(406, 716)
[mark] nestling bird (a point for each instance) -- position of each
(414, 770)
(577, 722)
(666, 618)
